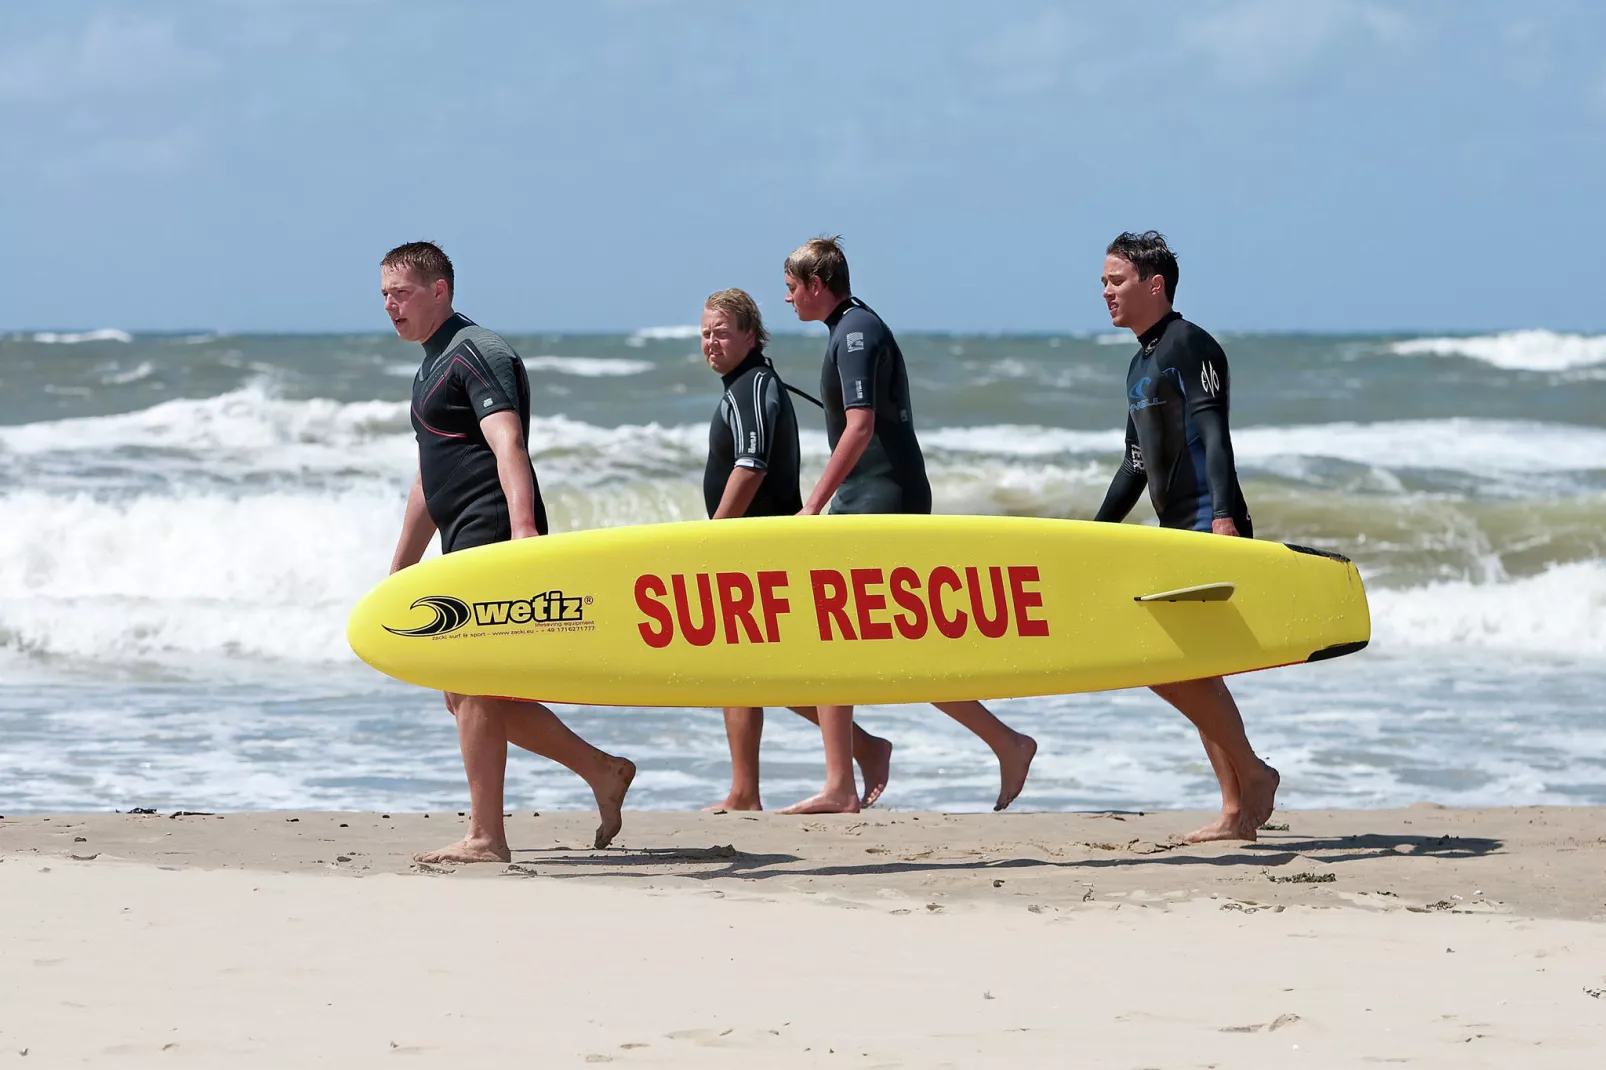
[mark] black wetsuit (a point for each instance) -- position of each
(468, 373)
(1177, 441)
(864, 369)
(754, 427)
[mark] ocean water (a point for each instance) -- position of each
(187, 519)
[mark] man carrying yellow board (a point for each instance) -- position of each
(1179, 448)
(875, 467)
(752, 470)
(476, 485)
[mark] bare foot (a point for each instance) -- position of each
(468, 851)
(734, 802)
(875, 765)
(823, 803)
(1260, 796)
(610, 793)
(1226, 827)
(1012, 769)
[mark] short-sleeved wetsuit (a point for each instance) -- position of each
(1177, 441)
(754, 427)
(468, 373)
(864, 369)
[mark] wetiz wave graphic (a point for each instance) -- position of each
(450, 615)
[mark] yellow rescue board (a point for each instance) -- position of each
(854, 609)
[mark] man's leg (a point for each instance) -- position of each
(873, 754)
(1248, 785)
(484, 728)
(840, 795)
(1015, 750)
(744, 728)
(537, 729)
(483, 741)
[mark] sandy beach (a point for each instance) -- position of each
(1423, 937)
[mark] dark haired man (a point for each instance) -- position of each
(476, 485)
(875, 467)
(1179, 448)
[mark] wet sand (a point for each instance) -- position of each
(1422, 937)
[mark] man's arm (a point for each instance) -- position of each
(740, 490)
(1219, 467)
(417, 529)
(864, 346)
(1130, 480)
(1204, 372)
(849, 448)
(506, 439)
(1125, 490)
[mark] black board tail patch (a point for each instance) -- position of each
(1317, 553)
(1336, 651)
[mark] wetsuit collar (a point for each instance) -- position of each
(436, 344)
(1152, 335)
(842, 310)
(755, 359)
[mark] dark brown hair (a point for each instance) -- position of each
(1149, 253)
(821, 258)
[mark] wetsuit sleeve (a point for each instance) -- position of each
(864, 345)
(753, 415)
(1219, 466)
(1130, 479)
(488, 379)
(1204, 370)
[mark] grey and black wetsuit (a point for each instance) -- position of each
(1177, 440)
(468, 373)
(864, 369)
(754, 427)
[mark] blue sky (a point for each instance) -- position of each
(1320, 165)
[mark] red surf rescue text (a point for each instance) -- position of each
(851, 605)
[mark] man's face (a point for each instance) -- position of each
(1133, 302)
(724, 347)
(811, 300)
(415, 307)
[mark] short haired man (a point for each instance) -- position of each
(752, 470)
(476, 485)
(875, 467)
(1179, 448)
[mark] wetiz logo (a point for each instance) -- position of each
(548, 607)
(450, 614)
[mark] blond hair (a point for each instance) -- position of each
(743, 311)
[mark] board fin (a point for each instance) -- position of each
(1204, 592)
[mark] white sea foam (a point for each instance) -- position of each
(105, 334)
(115, 377)
(588, 367)
(164, 577)
(252, 430)
(1560, 611)
(1539, 350)
(247, 419)
(1116, 338)
(677, 333)
(1015, 440)
(1459, 444)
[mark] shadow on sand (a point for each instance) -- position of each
(724, 861)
